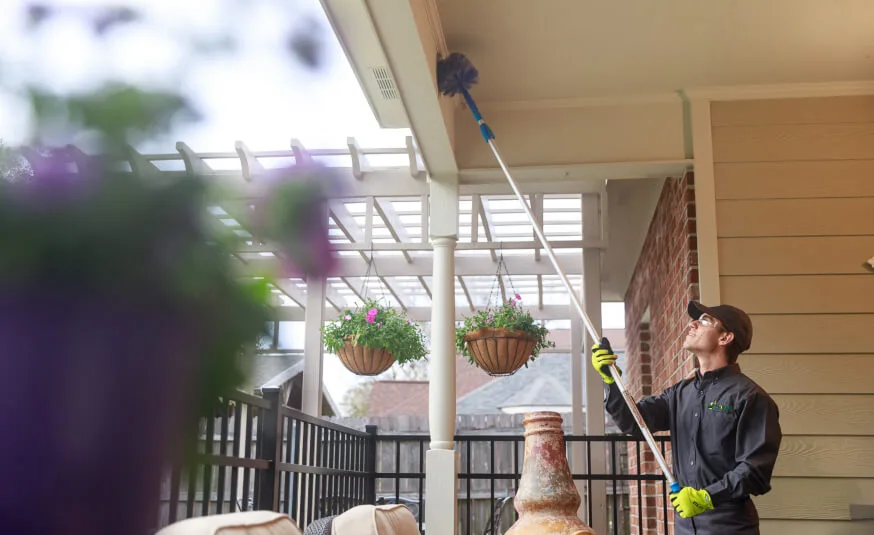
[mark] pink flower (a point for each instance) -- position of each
(347, 317)
(371, 315)
(518, 297)
(411, 322)
(512, 302)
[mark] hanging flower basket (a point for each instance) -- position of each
(500, 351)
(501, 340)
(371, 338)
(363, 360)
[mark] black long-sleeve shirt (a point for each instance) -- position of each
(725, 432)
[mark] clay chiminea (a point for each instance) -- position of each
(547, 500)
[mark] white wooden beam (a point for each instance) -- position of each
(426, 217)
(488, 227)
(416, 170)
(594, 403)
(394, 293)
(475, 206)
(360, 164)
(344, 220)
(314, 316)
(416, 246)
(353, 266)
(398, 29)
(537, 209)
(421, 313)
(335, 299)
(249, 163)
(466, 292)
(540, 292)
(593, 173)
(393, 223)
(705, 203)
(301, 154)
(368, 221)
(140, 165)
(291, 290)
(194, 163)
(425, 286)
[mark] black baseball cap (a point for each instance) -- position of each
(733, 319)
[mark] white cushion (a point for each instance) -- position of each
(242, 523)
(395, 519)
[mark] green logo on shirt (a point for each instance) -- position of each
(719, 407)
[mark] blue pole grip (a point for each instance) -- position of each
(483, 127)
(675, 487)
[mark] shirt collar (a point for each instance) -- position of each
(719, 373)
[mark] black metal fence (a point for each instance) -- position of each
(490, 469)
(257, 453)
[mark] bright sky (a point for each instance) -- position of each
(259, 94)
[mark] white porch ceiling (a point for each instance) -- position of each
(569, 49)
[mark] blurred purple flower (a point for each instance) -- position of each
(512, 302)
(371, 315)
(75, 397)
(113, 16)
(518, 297)
(54, 183)
(289, 212)
(347, 317)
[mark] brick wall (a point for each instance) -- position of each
(664, 280)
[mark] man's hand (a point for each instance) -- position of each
(690, 502)
(602, 359)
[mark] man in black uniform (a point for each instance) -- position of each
(725, 429)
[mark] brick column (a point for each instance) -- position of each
(664, 280)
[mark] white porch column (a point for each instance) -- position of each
(311, 397)
(594, 386)
(441, 394)
(441, 468)
(578, 423)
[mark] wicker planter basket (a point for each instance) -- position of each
(500, 352)
(362, 360)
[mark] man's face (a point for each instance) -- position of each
(704, 335)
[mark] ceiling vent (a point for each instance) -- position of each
(386, 83)
(354, 28)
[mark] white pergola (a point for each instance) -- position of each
(433, 243)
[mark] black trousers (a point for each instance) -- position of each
(734, 518)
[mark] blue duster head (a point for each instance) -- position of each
(455, 73)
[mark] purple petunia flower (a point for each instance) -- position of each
(371, 315)
(518, 297)
(512, 302)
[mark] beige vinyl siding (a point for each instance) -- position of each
(794, 182)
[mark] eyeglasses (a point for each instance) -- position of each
(710, 321)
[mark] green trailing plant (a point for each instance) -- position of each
(509, 315)
(377, 326)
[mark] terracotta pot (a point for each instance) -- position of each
(362, 360)
(547, 500)
(500, 352)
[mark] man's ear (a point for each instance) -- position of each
(726, 338)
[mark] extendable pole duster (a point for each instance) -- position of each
(455, 74)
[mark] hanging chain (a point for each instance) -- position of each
(502, 266)
(371, 264)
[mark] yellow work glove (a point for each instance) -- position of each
(602, 359)
(690, 502)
